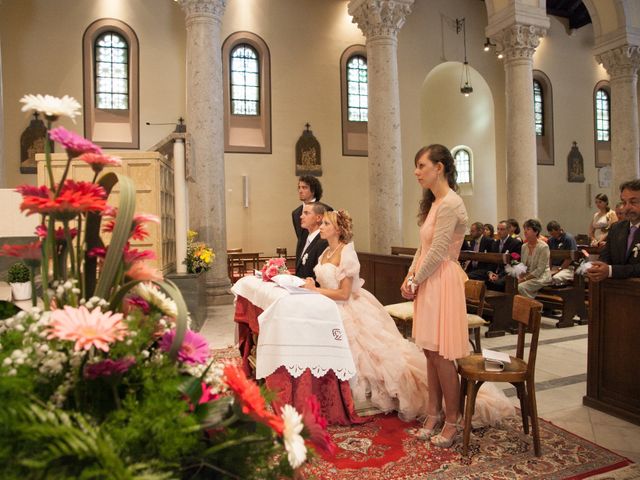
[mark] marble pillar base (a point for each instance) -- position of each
(219, 294)
(193, 287)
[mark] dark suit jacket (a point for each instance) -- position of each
(623, 264)
(310, 257)
(301, 233)
(486, 245)
(511, 245)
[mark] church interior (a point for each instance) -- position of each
(537, 101)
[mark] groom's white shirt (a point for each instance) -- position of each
(309, 240)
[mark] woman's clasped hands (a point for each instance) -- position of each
(408, 289)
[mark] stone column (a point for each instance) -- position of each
(380, 21)
(205, 120)
(518, 44)
(3, 170)
(622, 65)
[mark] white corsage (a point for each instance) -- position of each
(304, 258)
(635, 250)
(583, 268)
(516, 270)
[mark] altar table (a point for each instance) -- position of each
(253, 296)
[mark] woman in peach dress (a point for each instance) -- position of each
(436, 280)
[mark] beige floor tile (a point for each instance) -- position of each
(633, 456)
(617, 438)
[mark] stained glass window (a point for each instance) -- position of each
(245, 80)
(357, 89)
(462, 158)
(538, 110)
(603, 126)
(112, 72)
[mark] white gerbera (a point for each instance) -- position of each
(293, 441)
(158, 299)
(52, 106)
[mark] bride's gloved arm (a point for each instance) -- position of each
(446, 221)
(341, 293)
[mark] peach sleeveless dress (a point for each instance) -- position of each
(440, 315)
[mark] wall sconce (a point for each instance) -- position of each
(465, 76)
(488, 44)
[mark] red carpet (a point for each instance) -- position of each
(386, 448)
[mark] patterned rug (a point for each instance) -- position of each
(386, 449)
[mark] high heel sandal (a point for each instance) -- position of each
(426, 433)
(443, 442)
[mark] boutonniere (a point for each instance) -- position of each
(304, 258)
(560, 245)
(635, 250)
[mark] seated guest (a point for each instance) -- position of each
(505, 243)
(561, 270)
(514, 229)
(620, 257)
(620, 211)
(313, 247)
(488, 231)
(478, 243)
(535, 255)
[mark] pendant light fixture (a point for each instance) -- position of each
(465, 76)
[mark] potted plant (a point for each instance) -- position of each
(19, 277)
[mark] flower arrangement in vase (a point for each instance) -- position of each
(199, 256)
(108, 381)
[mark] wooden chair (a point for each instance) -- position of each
(402, 314)
(527, 313)
(474, 292)
(241, 264)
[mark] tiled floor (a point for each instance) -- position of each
(561, 369)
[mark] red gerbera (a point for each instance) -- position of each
(29, 251)
(138, 230)
(75, 197)
(73, 143)
(132, 255)
(316, 426)
(253, 403)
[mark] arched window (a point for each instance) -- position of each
(602, 123)
(110, 76)
(354, 88)
(357, 93)
(462, 157)
(603, 127)
(246, 65)
(543, 117)
(112, 71)
(538, 108)
(245, 81)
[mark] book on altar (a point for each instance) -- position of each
(291, 284)
(495, 361)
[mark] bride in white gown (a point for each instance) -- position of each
(391, 371)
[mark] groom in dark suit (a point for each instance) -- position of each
(313, 247)
(620, 257)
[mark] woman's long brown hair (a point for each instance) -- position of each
(436, 153)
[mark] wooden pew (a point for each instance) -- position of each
(569, 298)
(499, 304)
(403, 251)
(383, 275)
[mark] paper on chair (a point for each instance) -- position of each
(495, 361)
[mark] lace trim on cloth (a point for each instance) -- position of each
(295, 370)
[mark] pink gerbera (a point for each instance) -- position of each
(41, 232)
(143, 272)
(87, 328)
(194, 348)
(73, 143)
(99, 160)
(138, 230)
(108, 368)
(29, 251)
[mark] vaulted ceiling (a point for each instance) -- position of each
(573, 10)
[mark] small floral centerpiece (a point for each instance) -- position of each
(273, 267)
(515, 268)
(583, 264)
(106, 380)
(199, 256)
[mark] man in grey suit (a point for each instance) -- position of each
(620, 257)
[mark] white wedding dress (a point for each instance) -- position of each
(391, 371)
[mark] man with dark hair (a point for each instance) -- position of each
(561, 270)
(311, 218)
(505, 243)
(620, 257)
(309, 190)
(478, 243)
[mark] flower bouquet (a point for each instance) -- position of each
(199, 256)
(107, 381)
(582, 265)
(273, 267)
(515, 268)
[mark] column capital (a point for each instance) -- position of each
(519, 41)
(379, 18)
(621, 61)
(206, 8)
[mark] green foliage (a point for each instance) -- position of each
(18, 273)
(8, 309)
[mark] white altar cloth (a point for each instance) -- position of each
(297, 331)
